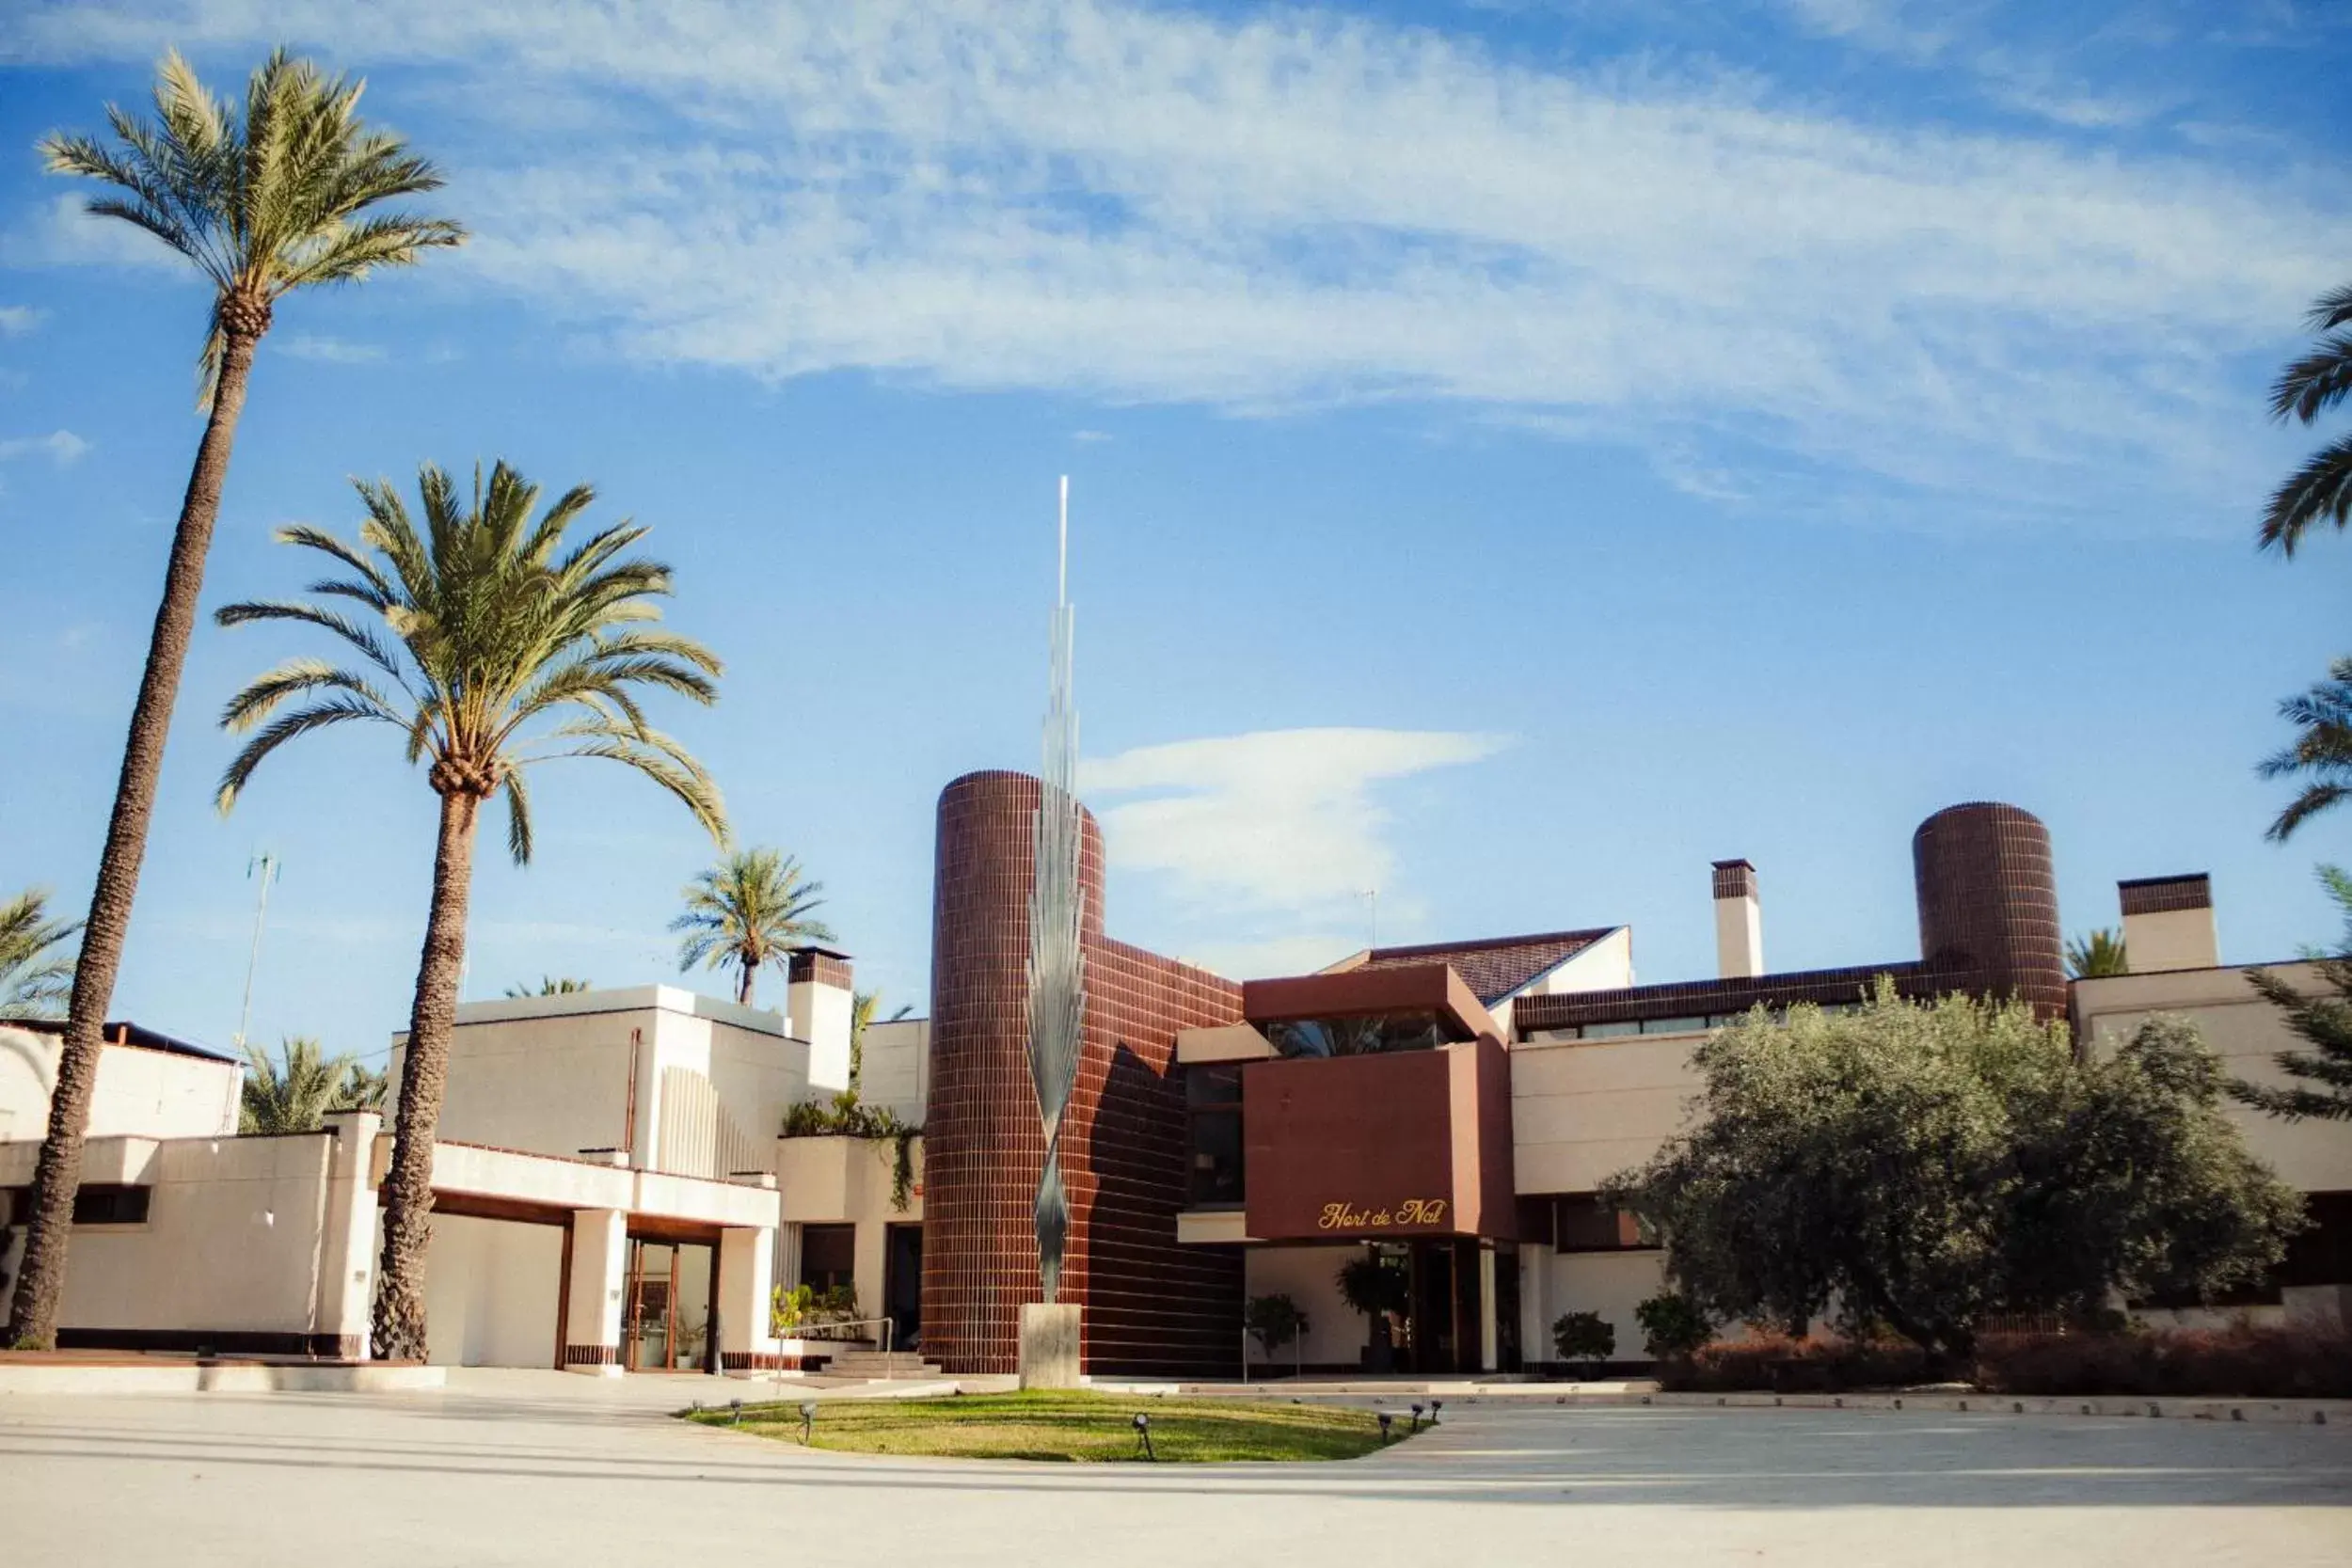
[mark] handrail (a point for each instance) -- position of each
(889, 1335)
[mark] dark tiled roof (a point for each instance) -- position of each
(1685, 998)
(1495, 968)
(116, 1032)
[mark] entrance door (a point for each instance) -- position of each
(902, 1284)
(665, 1324)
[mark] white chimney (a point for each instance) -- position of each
(2167, 924)
(816, 1009)
(1739, 922)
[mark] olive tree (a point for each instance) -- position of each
(1914, 1166)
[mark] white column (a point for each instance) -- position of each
(1488, 1349)
(1534, 1314)
(591, 1324)
(747, 1267)
(346, 1268)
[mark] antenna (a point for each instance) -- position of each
(263, 867)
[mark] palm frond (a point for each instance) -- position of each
(35, 977)
(379, 652)
(262, 694)
(299, 722)
(518, 816)
(2318, 491)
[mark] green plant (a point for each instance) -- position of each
(845, 1116)
(498, 649)
(1672, 1326)
(749, 909)
(2323, 1074)
(804, 1311)
(2098, 955)
(1924, 1165)
(2321, 490)
(1584, 1337)
(551, 986)
(863, 1005)
(283, 193)
(1273, 1320)
(34, 977)
(293, 1091)
(363, 1089)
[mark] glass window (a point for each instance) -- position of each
(828, 1255)
(1607, 1031)
(1582, 1224)
(1213, 1093)
(1695, 1026)
(1365, 1035)
(102, 1204)
(1212, 1085)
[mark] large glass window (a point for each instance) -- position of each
(1212, 1102)
(828, 1255)
(1366, 1035)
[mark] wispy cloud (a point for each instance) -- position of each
(331, 350)
(16, 320)
(59, 446)
(1277, 819)
(1297, 208)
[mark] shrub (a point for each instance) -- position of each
(1273, 1320)
(1775, 1364)
(1585, 1337)
(1672, 1326)
(2243, 1361)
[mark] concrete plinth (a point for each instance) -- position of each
(1049, 1345)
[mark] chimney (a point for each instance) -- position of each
(2167, 924)
(1739, 922)
(816, 1009)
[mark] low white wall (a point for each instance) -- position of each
(1336, 1333)
(1609, 1283)
(490, 1293)
(143, 1093)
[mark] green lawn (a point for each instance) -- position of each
(1073, 1426)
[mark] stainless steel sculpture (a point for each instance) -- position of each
(1057, 997)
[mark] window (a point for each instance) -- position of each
(1582, 1224)
(105, 1204)
(1213, 1103)
(828, 1255)
(1365, 1035)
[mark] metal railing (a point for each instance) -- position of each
(889, 1338)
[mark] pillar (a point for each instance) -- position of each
(347, 1271)
(747, 1266)
(1489, 1345)
(592, 1324)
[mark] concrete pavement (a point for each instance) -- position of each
(531, 1467)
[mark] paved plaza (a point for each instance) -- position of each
(529, 1467)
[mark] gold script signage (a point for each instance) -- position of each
(1413, 1210)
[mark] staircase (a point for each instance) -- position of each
(878, 1366)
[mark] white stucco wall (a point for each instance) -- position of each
(837, 1180)
(1336, 1333)
(1609, 1283)
(143, 1093)
(490, 1292)
(723, 1090)
(897, 1072)
(1583, 1110)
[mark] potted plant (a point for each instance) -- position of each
(1274, 1322)
(1584, 1337)
(1374, 1286)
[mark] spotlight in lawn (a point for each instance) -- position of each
(1416, 1417)
(734, 1413)
(1435, 1406)
(1143, 1437)
(808, 1421)
(1385, 1420)
(698, 1407)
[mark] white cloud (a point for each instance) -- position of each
(1277, 819)
(16, 320)
(59, 446)
(331, 350)
(62, 232)
(1139, 203)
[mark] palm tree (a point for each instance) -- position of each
(294, 1092)
(2321, 489)
(499, 649)
(549, 986)
(363, 1090)
(2097, 956)
(749, 909)
(279, 196)
(863, 1005)
(2322, 754)
(34, 979)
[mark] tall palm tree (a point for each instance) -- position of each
(2321, 489)
(34, 977)
(864, 1005)
(498, 648)
(2098, 955)
(2322, 754)
(363, 1089)
(279, 195)
(292, 1091)
(749, 909)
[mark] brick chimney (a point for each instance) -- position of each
(2167, 922)
(1739, 922)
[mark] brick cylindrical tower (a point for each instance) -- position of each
(1988, 904)
(984, 1149)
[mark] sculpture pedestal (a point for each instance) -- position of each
(1049, 1345)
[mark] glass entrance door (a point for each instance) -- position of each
(666, 1323)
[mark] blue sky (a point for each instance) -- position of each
(1519, 452)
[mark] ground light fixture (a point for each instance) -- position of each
(1417, 1417)
(808, 1421)
(1143, 1437)
(734, 1413)
(1435, 1406)
(1386, 1421)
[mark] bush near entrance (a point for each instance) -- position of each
(1072, 1427)
(1923, 1167)
(1584, 1338)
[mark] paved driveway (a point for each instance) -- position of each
(539, 1468)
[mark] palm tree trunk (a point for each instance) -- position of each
(399, 1326)
(743, 987)
(58, 1173)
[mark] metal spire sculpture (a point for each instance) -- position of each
(1056, 947)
